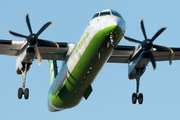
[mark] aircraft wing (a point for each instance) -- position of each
(52, 52)
(47, 50)
(10, 47)
(122, 54)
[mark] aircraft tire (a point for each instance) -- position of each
(26, 93)
(140, 98)
(20, 92)
(134, 98)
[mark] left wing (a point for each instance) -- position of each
(122, 54)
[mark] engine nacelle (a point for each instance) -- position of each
(137, 66)
(71, 47)
(20, 62)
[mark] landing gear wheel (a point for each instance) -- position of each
(26, 93)
(140, 98)
(134, 98)
(20, 93)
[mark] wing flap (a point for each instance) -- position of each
(10, 52)
(124, 50)
(118, 59)
(121, 54)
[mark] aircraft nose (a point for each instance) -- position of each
(114, 25)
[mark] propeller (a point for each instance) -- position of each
(147, 44)
(32, 39)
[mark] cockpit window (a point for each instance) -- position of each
(116, 14)
(105, 13)
(96, 15)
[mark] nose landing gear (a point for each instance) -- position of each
(111, 42)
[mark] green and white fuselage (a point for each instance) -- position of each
(84, 61)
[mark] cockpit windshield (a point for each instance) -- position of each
(106, 13)
(116, 14)
(96, 15)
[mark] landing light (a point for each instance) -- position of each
(154, 49)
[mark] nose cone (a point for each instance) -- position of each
(112, 24)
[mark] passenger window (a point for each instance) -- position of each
(96, 15)
(116, 14)
(105, 13)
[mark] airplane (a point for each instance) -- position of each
(82, 62)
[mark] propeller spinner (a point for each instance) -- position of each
(147, 44)
(32, 39)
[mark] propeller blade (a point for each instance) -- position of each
(162, 48)
(28, 23)
(38, 55)
(43, 28)
(22, 50)
(158, 33)
(47, 43)
(137, 55)
(132, 40)
(16, 34)
(143, 29)
(152, 59)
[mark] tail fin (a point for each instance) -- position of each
(53, 70)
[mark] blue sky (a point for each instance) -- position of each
(112, 91)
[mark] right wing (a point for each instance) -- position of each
(10, 47)
(47, 49)
(51, 50)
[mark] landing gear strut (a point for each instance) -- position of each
(23, 91)
(137, 96)
(111, 42)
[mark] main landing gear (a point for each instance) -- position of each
(23, 91)
(111, 42)
(137, 96)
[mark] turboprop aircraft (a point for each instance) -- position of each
(82, 61)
